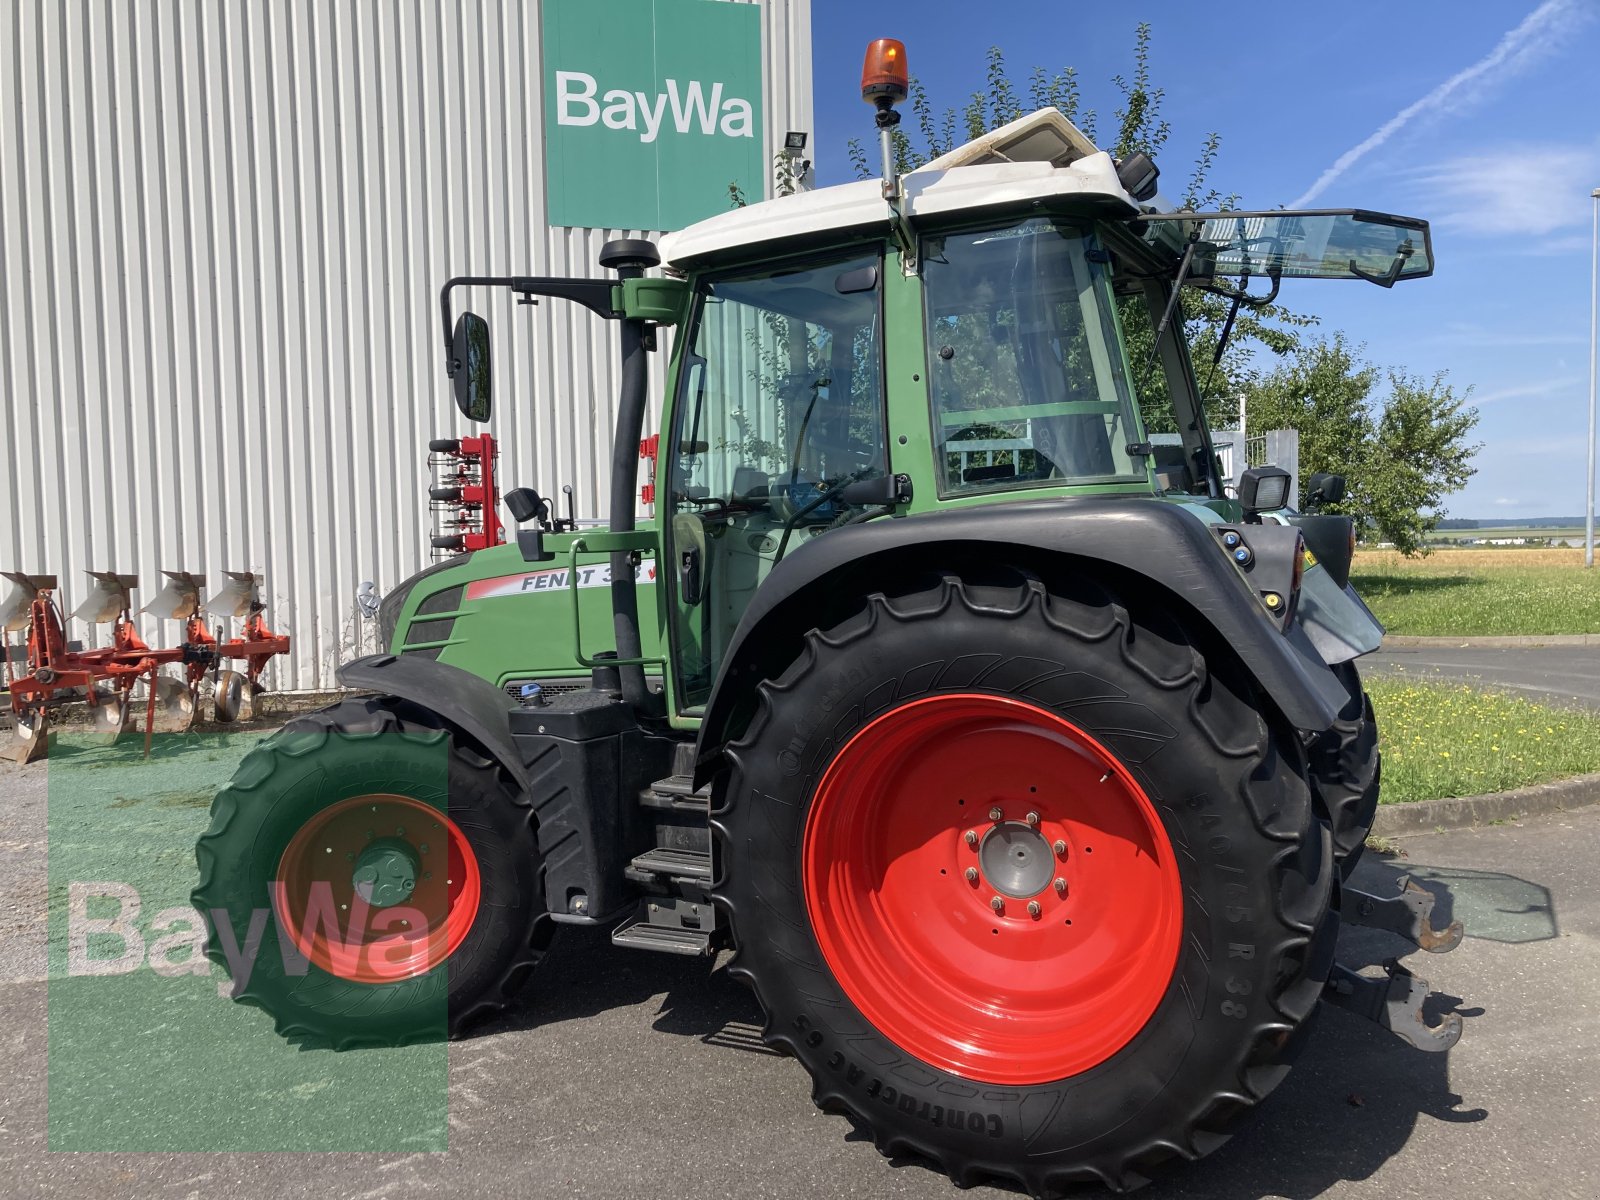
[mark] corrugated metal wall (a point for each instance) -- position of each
(222, 231)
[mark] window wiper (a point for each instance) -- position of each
(1387, 279)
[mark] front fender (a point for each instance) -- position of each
(467, 701)
(1168, 549)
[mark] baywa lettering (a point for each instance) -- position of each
(691, 107)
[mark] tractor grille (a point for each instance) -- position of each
(551, 687)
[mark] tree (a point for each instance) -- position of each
(1401, 455)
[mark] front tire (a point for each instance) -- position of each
(1092, 1033)
(1347, 772)
(388, 870)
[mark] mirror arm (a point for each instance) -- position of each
(597, 295)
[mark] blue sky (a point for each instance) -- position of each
(1481, 116)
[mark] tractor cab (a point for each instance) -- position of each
(997, 331)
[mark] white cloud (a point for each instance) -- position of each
(1480, 337)
(1542, 387)
(1522, 191)
(1545, 29)
(1507, 500)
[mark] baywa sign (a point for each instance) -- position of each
(693, 110)
(652, 110)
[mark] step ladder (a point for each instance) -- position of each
(675, 915)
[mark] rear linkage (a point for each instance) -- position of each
(1395, 999)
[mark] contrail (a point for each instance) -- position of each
(1551, 18)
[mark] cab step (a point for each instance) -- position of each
(671, 865)
(676, 793)
(637, 933)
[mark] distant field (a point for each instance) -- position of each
(1572, 532)
(1449, 739)
(1480, 591)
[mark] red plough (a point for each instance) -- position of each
(54, 673)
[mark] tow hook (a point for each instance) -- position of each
(1410, 914)
(1395, 1002)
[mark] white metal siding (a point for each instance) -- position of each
(222, 232)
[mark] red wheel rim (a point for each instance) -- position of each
(1017, 996)
(377, 930)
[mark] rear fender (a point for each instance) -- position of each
(1170, 554)
(470, 703)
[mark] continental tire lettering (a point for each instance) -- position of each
(936, 1115)
(789, 757)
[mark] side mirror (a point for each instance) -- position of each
(1324, 488)
(469, 367)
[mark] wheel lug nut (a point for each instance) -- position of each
(1060, 848)
(971, 838)
(972, 874)
(1061, 887)
(997, 904)
(1034, 909)
(995, 814)
(1033, 818)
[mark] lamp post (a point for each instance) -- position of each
(1594, 334)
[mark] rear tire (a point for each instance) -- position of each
(285, 817)
(1230, 830)
(1347, 772)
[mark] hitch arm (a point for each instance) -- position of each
(1410, 914)
(1395, 1002)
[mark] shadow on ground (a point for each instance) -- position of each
(1353, 1101)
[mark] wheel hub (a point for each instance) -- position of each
(366, 856)
(1016, 861)
(386, 873)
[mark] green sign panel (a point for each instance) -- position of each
(652, 108)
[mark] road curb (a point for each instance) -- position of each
(1404, 641)
(1462, 812)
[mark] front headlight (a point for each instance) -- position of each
(389, 611)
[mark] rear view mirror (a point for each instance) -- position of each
(469, 367)
(1324, 488)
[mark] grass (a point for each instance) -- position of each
(1475, 593)
(1442, 739)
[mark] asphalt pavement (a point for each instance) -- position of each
(1553, 674)
(630, 1074)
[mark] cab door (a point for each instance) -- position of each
(778, 406)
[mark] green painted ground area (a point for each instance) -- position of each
(141, 1060)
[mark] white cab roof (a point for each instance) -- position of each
(929, 192)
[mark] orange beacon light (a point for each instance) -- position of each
(885, 79)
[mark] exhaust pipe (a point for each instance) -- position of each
(629, 258)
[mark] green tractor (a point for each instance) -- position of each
(1018, 763)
